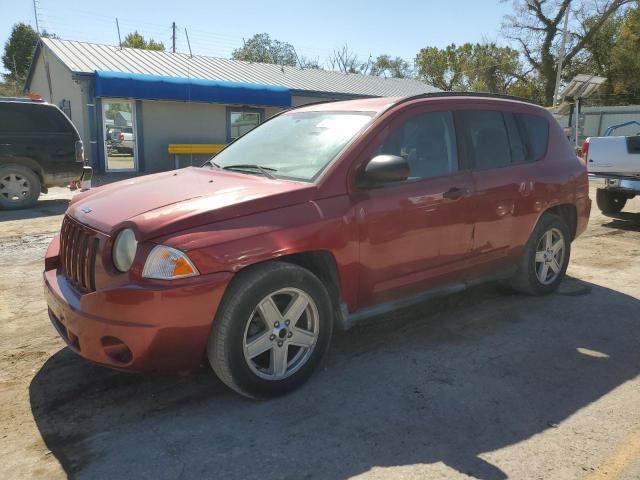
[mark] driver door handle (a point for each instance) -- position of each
(455, 192)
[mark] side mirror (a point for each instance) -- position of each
(385, 169)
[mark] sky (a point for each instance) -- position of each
(215, 28)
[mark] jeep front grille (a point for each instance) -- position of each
(78, 249)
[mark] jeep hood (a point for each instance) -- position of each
(168, 202)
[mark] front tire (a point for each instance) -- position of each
(19, 187)
(610, 202)
(271, 330)
(545, 257)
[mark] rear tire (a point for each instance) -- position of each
(610, 202)
(545, 257)
(19, 187)
(271, 330)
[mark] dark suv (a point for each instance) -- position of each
(318, 218)
(39, 148)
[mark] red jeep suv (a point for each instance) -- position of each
(320, 217)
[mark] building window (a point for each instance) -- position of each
(242, 120)
(65, 106)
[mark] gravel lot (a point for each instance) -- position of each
(482, 384)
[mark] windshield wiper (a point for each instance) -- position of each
(247, 166)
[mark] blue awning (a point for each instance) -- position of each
(156, 87)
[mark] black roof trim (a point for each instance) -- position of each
(468, 94)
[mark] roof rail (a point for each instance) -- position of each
(21, 100)
(468, 94)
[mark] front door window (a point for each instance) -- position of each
(120, 147)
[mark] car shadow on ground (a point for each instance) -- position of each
(44, 208)
(624, 221)
(447, 381)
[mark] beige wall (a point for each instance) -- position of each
(178, 122)
(165, 122)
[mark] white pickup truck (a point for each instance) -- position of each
(616, 161)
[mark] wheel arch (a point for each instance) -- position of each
(30, 163)
(567, 212)
(323, 265)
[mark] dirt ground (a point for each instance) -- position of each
(483, 384)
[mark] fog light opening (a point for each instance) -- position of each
(116, 350)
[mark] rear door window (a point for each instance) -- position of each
(486, 138)
(518, 148)
(534, 131)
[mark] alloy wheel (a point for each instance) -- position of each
(550, 253)
(281, 333)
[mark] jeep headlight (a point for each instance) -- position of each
(124, 250)
(166, 263)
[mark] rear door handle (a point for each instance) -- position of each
(455, 192)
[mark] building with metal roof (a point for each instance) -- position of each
(176, 98)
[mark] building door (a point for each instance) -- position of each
(120, 135)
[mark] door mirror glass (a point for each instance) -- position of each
(385, 169)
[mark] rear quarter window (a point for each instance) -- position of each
(25, 118)
(534, 133)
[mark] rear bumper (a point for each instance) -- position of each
(162, 328)
(627, 185)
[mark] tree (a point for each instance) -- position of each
(135, 40)
(386, 66)
(10, 89)
(478, 67)
(346, 61)
(18, 52)
(536, 27)
(442, 68)
(262, 48)
(626, 60)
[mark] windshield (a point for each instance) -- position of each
(295, 145)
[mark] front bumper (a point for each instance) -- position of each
(159, 328)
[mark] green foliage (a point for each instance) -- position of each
(442, 68)
(11, 89)
(477, 67)
(18, 52)
(135, 40)
(262, 48)
(387, 66)
(626, 58)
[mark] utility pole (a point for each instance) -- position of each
(188, 42)
(35, 12)
(563, 45)
(173, 37)
(119, 38)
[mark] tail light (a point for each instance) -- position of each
(79, 151)
(585, 150)
(121, 137)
